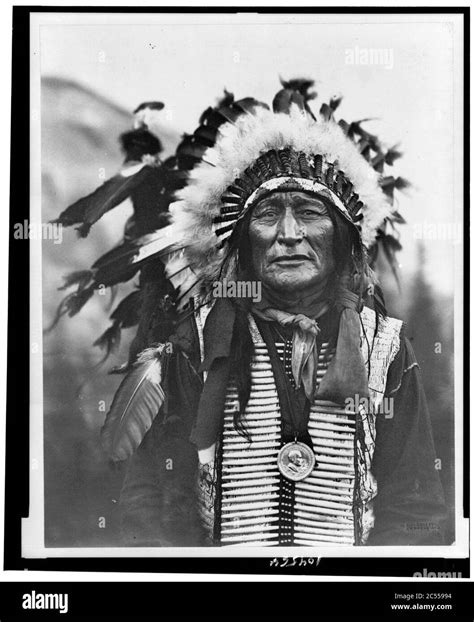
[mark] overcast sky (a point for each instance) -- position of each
(395, 69)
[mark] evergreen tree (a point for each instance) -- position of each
(430, 329)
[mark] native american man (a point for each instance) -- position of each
(296, 417)
(290, 203)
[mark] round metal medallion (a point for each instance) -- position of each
(296, 461)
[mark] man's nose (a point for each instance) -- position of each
(289, 230)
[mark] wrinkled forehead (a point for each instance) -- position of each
(290, 198)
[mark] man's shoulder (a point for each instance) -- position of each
(388, 325)
(381, 339)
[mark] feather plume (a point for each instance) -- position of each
(125, 315)
(135, 406)
(148, 116)
(398, 218)
(81, 278)
(178, 271)
(160, 243)
(249, 105)
(139, 142)
(301, 85)
(71, 305)
(356, 129)
(294, 92)
(392, 154)
(111, 193)
(335, 102)
(115, 266)
(326, 112)
(150, 106)
(109, 341)
(118, 265)
(389, 184)
(128, 310)
(122, 262)
(225, 100)
(345, 127)
(120, 369)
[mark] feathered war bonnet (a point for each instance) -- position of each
(240, 149)
(286, 148)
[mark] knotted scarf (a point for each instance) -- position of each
(304, 355)
(346, 375)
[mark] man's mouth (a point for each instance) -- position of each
(290, 258)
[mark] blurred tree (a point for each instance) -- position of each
(430, 329)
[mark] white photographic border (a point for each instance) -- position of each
(33, 527)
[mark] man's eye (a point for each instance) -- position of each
(268, 213)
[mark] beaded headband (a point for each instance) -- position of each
(275, 169)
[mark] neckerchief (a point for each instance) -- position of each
(304, 355)
(346, 375)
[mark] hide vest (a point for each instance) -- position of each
(245, 500)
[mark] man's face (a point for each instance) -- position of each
(297, 459)
(291, 237)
